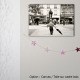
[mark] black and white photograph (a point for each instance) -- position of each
(51, 20)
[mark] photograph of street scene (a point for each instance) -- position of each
(51, 20)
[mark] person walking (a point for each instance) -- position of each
(37, 21)
(64, 22)
(50, 25)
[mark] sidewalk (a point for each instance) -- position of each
(43, 30)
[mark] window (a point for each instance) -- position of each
(55, 12)
(55, 6)
(48, 6)
(41, 6)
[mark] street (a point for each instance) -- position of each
(43, 30)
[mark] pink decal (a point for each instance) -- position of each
(47, 50)
(62, 52)
(34, 43)
(77, 49)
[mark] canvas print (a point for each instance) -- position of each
(51, 20)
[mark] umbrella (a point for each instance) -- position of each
(58, 30)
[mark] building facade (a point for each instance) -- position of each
(67, 13)
(45, 9)
(60, 13)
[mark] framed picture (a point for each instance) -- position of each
(51, 19)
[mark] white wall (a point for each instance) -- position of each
(35, 61)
